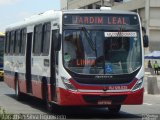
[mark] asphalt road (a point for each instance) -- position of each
(32, 106)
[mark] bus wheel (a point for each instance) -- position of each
(17, 92)
(114, 109)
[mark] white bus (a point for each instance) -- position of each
(77, 58)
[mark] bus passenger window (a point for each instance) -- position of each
(23, 41)
(37, 42)
(7, 42)
(12, 42)
(17, 45)
(46, 38)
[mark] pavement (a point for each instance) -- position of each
(149, 109)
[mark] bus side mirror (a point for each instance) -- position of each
(145, 41)
(145, 38)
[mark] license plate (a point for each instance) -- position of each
(104, 102)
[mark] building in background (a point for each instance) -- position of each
(87, 4)
(148, 10)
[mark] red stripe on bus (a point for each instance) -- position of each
(9, 79)
(49, 93)
(136, 98)
(66, 98)
(22, 86)
(37, 89)
(96, 87)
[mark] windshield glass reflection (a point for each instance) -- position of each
(101, 52)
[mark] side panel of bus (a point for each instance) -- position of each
(14, 59)
(43, 61)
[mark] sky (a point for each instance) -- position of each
(16, 10)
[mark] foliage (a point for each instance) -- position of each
(4, 115)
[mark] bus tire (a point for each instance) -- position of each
(17, 92)
(114, 109)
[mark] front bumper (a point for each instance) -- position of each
(70, 98)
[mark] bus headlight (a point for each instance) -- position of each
(68, 84)
(138, 85)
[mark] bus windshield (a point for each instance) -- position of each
(101, 51)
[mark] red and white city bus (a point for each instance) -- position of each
(77, 58)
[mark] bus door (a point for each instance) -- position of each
(28, 63)
(54, 63)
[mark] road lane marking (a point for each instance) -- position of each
(147, 104)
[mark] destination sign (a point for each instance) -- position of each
(101, 19)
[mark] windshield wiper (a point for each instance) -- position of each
(92, 44)
(89, 38)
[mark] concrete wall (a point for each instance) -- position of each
(81, 3)
(141, 12)
(154, 24)
(131, 5)
(75, 4)
(63, 4)
(149, 11)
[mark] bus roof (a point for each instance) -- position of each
(35, 19)
(92, 11)
(51, 14)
